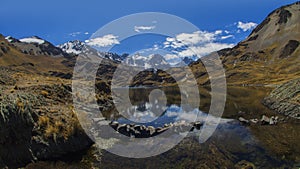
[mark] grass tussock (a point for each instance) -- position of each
(64, 126)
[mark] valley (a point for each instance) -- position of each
(39, 122)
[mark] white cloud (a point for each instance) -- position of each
(198, 43)
(226, 31)
(246, 26)
(106, 40)
(226, 37)
(32, 40)
(155, 47)
(196, 37)
(143, 28)
(74, 34)
(171, 56)
(191, 39)
(218, 32)
(204, 49)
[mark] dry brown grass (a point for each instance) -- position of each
(44, 93)
(63, 126)
(43, 121)
(51, 132)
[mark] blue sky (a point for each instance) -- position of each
(60, 21)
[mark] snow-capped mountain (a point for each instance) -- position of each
(152, 61)
(36, 46)
(78, 47)
(75, 47)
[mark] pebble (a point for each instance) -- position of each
(243, 120)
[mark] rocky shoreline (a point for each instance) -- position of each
(265, 120)
(285, 99)
(141, 131)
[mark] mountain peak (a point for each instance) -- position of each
(282, 21)
(75, 47)
(278, 33)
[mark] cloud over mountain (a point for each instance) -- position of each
(246, 26)
(104, 41)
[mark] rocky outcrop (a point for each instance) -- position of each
(289, 48)
(265, 120)
(30, 130)
(141, 131)
(16, 124)
(285, 99)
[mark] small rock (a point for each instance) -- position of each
(241, 112)
(265, 120)
(255, 121)
(123, 129)
(198, 125)
(96, 120)
(137, 127)
(243, 120)
(273, 120)
(151, 129)
(114, 125)
(103, 123)
(160, 130)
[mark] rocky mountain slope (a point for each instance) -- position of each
(285, 99)
(270, 55)
(36, 113)
(36, 46)
(77, 47)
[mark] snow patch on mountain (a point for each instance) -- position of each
(9, 38)
(32, 40)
